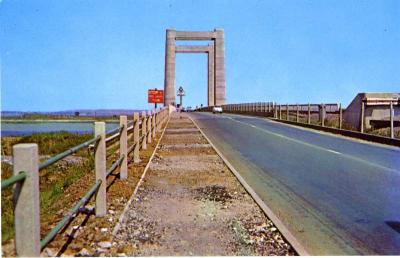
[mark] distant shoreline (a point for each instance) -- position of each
(55, 121)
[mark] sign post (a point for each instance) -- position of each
(180, 93)
(155, 96)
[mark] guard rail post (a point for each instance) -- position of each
(287, 112)
(136, 137)
(322, 114)
(100, 168)
(362, 116)
(153, 120)
(149, 126)
(391, 120)
(280, 111)
(309, 114)
(26, 201)
(340, 116)
(123, 147)
(144, 130)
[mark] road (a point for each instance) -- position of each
(334, 194)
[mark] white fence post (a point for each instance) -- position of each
(391, 120)
(123, 147)
(100, 168)
(340, 116)
(26, 200)
(153, 121)
(136, 137)
(144, 130)
(149, 126)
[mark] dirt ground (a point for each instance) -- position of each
(191, 204)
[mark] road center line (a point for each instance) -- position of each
(316, 146)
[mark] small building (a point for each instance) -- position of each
(376, 110)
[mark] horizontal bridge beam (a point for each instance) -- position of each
(194, 35)
(192, 49)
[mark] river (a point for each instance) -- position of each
(28, 128)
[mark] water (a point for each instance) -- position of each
(28, 128)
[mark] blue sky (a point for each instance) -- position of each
(66, 54)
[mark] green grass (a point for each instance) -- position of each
(53, 180)
(48, 143)
(7, 213)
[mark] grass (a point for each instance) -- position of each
(49, 143)
(53, 180)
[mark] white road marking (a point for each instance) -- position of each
(334, 151)
(316, 146)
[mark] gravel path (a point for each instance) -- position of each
(191, 204)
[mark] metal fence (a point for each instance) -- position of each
(325, 115)
(26, 170)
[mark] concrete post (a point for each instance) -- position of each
(136, 136)
(149, 126)
(100, 168)
(391, 119)
(322, 114)
(169, 82)
(309, 114)
(362, 116)
(340, 116)
(26, 201)
(153, 120)
(280, 111)
(287, 112)
(269, 107)
(297, 113)
(123, 147)
(144, 130)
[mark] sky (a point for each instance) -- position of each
(68, 54)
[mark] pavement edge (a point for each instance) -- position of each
(123, 214)
(278, 223)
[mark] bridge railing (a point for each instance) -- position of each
(26, 170)
(307, 113)
(324, 116)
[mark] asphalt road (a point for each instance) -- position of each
(336, 195)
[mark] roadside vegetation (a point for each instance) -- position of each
(53, 180)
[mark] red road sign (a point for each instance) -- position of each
(155, 96)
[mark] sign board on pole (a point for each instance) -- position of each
(155, 96)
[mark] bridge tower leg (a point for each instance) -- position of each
(219, 67)
(169, 81)
(211, 76)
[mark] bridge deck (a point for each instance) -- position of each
(336, 195)
(191, 204)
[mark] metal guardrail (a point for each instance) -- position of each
(13, 179)
(66, 153)
(115, 165)
(329, 117)
(28, 234)
(69, 215)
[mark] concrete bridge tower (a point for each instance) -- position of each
(216, 62)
